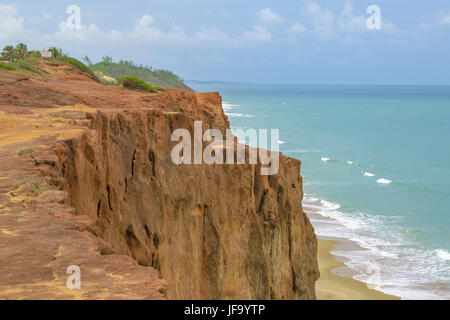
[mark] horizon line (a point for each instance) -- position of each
(321, 84)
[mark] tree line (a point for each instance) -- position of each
(20, 52)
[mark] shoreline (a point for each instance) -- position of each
(336, 280)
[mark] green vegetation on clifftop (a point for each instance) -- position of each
(154, 77)
(27, 65)
(78, 64)
(3, 67)
(129, 74)
(137, 84)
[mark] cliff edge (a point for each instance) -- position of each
(86, 179)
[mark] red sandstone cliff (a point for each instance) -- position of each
(111, 201)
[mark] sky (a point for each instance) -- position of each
(274, 42)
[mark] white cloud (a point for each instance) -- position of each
(257, 34)
(211, 34)
(146, 32)
(267, 16)
(297, 27)
(144, 25)
(349, 22)
(326, 24)
(323, 19)
(90, 34)
(144, 22)
(320, 20)
(41, 18)
(10, 23)
(177, 34)
(445, 20)
(389, 27)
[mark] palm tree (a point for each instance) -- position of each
(87, 60)
(22, 51)
(55, 52)
(9, 54)
(107, 59)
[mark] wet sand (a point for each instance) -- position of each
(341, 286)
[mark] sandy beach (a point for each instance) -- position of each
(336, 280)
(332, 286)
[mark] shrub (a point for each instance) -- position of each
(79, 65)
(3, 67)
(35, 54)
(136, 84)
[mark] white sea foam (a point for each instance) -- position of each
(368, 174)
(311, 199)
(384, 246)
(350, 162)
(329, 205)
(229, 105)
(238, 115)
(325, 159)
(384, 181)
(443, 254)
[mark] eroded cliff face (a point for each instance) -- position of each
(212, 231)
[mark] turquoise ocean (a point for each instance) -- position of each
(376, 168)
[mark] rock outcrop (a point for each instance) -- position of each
(116, 204)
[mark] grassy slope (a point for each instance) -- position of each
(6, 67)
(155, 77)
(31, 65)
(28, 65)
(78, 64)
